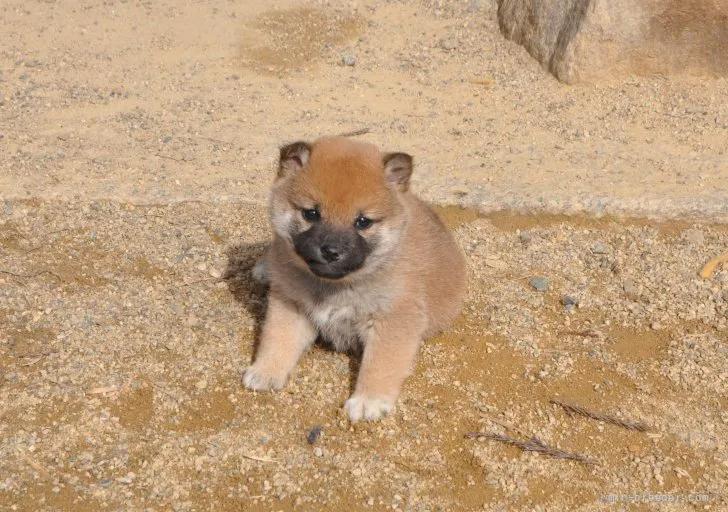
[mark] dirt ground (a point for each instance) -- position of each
(137, 141)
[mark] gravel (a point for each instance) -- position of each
(568, 300)
(488, 127)
(122, 354)
(314, 435)
(540, 284)
(131, 212)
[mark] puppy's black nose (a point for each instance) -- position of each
(330, 253)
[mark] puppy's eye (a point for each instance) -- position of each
(362, 222)
(311, 215)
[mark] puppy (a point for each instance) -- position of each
(356, 258)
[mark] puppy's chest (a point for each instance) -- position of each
(343, 321)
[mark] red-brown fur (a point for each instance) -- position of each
(410, 287)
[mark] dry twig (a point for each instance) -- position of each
(534, 445)
(30, 276)
(160, 155)
(577, 409)
(588, 333)
(205, 280)
(103, 390)
(37, 353)
(36, 356)
(259, 459)
(361, 131)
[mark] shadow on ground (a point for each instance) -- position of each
(254, 297)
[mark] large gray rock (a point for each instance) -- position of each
(587, 40)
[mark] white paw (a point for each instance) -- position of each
(260, 272)
(256, 379)
(360, 407)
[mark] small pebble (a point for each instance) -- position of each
(693, 236)
(568, 300)
(448, 43)
(314, 434)
(201, 384)
(600, 248)
(526, 237)
(348, 60)
(540, 283)
(630, 289)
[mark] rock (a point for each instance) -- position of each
(201, 384)
(540, 283)
(314, 434)
(200, 462)
(568, 300)
(600, 248)
(587, 40)
(631, 291)
(527, 237)
(693, 236)
(448, 43)
(128, 479)
(348, 60)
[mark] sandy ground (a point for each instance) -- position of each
(163, 101)
(137, 142)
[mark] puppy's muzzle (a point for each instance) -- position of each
(331, 252)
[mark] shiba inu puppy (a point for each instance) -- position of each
(356, 259)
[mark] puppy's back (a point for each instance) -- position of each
(437, 264)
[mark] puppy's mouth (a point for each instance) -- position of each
(329, 253)
(329, 271)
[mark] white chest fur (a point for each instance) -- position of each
(339, 325)
(344, 318)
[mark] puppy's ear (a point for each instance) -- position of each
(293, 158)
(398, 169)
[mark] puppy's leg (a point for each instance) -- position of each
(286, 334)
(389, 353)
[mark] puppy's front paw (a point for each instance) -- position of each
(257, 379)
(369, 408)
